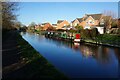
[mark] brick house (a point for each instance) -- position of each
(92, 20)
(45, 26)
(54, 26)
(76, 22)
(38, 27)
(61, 24)
(89, 21)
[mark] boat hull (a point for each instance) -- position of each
(76, 40)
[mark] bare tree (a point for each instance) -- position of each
(8, 14)
(109, 17)
(119, 23)
(109, 13)
(18, 25)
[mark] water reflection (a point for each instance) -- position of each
(77, 60)
(100, 53)
(117, 53)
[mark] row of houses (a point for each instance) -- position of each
(88, 21)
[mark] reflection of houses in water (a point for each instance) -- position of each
(63, 43)
(74, 46)
(105, 50)
(86, 51)
(101, 54)
(117, 53)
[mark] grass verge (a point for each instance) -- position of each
(37, 66)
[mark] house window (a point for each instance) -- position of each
(102, 22)
(91, 22)
(75, 24)
(64, 24)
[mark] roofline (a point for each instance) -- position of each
(91, 17)
(63, 21)
(75, 19)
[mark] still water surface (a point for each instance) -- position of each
(77, 61)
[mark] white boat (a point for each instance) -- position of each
(76, 40)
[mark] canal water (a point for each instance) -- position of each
(77, 60)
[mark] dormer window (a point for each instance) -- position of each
(91, 22)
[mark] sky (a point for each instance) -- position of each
(63, 0)
(42, 12)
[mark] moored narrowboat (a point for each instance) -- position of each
(77, 38)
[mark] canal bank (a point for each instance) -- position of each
(28, 64)
(101, 39)
(99, 43)
(112, 40)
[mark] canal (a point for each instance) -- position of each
(77, 60)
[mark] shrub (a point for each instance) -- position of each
(85, 34)
(79, 28)
(94, 33)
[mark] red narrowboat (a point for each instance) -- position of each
(77, 38)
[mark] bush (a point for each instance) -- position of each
(79, 28)
(111, 39)
(119, 31)
(72, 31)
(115, 31)
(85, 34)
(94, 33)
